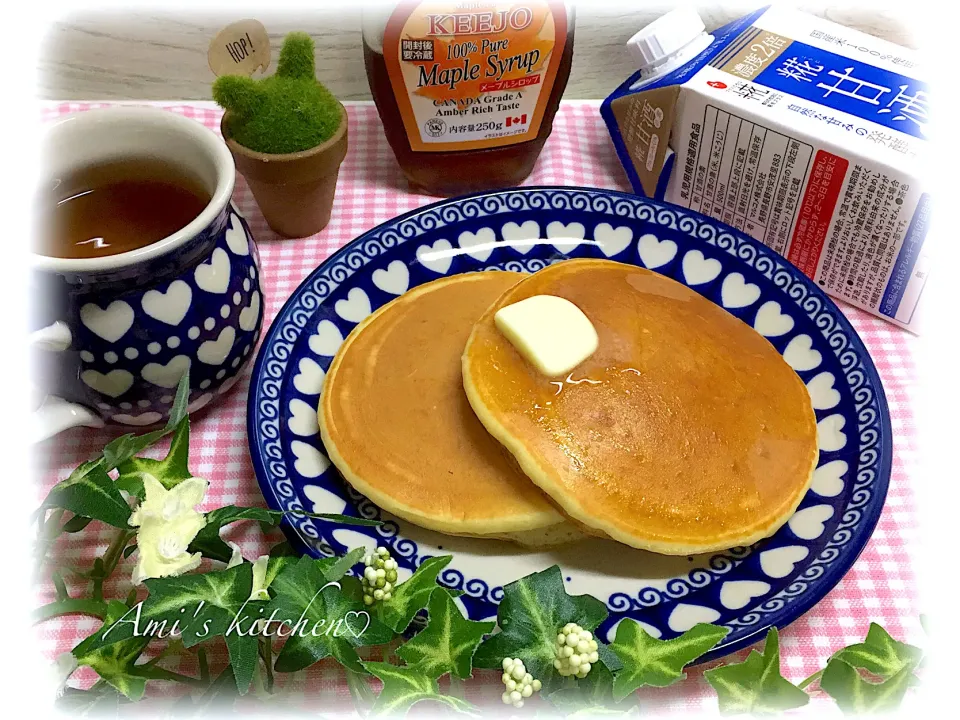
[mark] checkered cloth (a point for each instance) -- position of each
(371, 190)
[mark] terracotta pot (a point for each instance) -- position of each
(294, 190)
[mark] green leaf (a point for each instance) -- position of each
(178, 411)
(756, 685)
(857, 696)
(99, 701)
(649, 661)
(244, 651)
(403, 687)
(170, 471)
(448, 642)
(532, 612)
(116, 663)
(90, 492)
(411, 596)
(341, 566)
(880, 654)
(199, 606)
(594, 693)
(76, 523)
(323, 621)
(208, 540)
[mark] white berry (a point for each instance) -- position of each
(379, 576)
(576, 651)
(518, 682)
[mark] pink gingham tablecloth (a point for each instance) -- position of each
(372, 190)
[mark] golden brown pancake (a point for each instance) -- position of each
(396, 423)
(685, 431)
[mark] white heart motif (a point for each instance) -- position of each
(169, 307)
(394, 280)
(612, 242)
(478, 245)
(110, 324)
(427, 256)
(655, 253)
(310, 462)
(807, 524)
(323, 500)
(779, 563)
(250, 314)
(737, 292)
(828, 479)
(214, 276)
(355, 307)
(771, 322)
(699, 270)
(830, 435)
(148, 418)
(303, 419)
(327, 339)
(114, 384)
(521, 237)
(823, 396)
(214, 352)
(236, 238)
(800, 354)
(349, 619)
(309, 380)
(685, 616)
(565, 237)
(737, 594)
(166, 376)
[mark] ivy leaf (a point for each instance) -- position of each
(76, 524)
(411, 596)
(170, 471)
(403, 687)
(649, 661)
(756, 685)
(532, 611)
(89, 491)
(208, 540)
(244, 648)
(448, 642)
(857, 696)
(594, 693)
(880, 654)
(341, 566)
(324, 622)
(116, 663)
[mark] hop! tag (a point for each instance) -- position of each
(240, 49)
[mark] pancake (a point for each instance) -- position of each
(685, 432)
(396, 423)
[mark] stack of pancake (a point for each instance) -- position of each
(684, 432)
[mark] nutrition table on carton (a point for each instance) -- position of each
(879, 588)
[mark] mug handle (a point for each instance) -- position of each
(54, 415)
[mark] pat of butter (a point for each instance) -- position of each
(550, 332)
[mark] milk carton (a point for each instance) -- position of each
(804, 134)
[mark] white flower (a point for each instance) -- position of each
(259, 591)
(63, 667)
(168, 521)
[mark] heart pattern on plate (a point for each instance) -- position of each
(736, 292)
(110, 324)
(521, 237)
(699, 270)
(565, 237)
(478, 245)
(780, 562)
(823, 395)
(309, 380)
(326, 340)
(612, 241)
(169, 307)
(436, 257)
(685, 616)
(355, 307)
(737, 594)
(800, 354)
(654, 252)
(394, 280)
(303, 419)
(828, 479)
(771, 322)
(830, 435)
(808, 524)
(310, 462)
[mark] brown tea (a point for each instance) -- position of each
(116, 206)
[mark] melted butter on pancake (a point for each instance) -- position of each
(397, 424)
(684, 432)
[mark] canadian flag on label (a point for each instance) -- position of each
(522, 120)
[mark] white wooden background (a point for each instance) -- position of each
(156, 55)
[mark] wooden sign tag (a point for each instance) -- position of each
(240, 49)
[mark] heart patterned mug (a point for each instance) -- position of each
(116, 333)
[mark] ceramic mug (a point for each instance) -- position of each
(116, 333)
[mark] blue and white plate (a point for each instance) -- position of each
(745, 589)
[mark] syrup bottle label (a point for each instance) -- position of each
(473, 75)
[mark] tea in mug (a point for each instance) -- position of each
(116, 206)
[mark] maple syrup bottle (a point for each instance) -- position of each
(467, 91)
